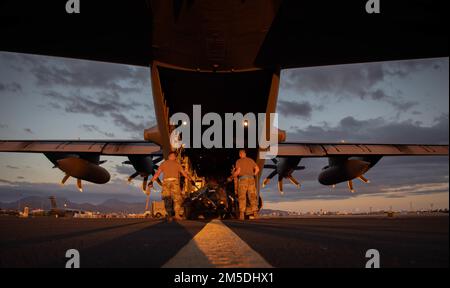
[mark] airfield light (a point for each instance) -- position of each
(245, 123)
(184, 123)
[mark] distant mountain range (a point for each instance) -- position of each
(273, 212)
(109, 206)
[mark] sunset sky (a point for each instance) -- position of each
(386, 102)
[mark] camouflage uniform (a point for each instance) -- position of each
(171, 192)
(247, 185)
(171, 195)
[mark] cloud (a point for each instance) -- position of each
(398, 104)
(11, 167)
(296, 109)
(51, 71)
(79, 103)
(405, 68)
(376, 130)
(124, 169)
(94, 128)
(417, 189)
(28, 130)
(6, 182)
(105, 104)
(3, 125)
(87, 87)
(128, 125)
(361, 81)
(10, 87)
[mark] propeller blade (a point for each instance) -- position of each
(144, 183)
(79, 185)
(132, 176)
(294, 181)
(363, 179)
(159, 182)
(350, 186)
(102, 162)
(280, 184)
(270, 166)
(127, 162)
(157, 159)
(274, 160)
(270, 176)
(63, 181)
(148, 190)
(147, 200)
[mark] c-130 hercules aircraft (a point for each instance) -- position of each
(226, 56)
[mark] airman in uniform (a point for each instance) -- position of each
(171, 192)
(246, 170)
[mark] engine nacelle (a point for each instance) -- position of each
(142, 164)
(82, 169)
(345, 171)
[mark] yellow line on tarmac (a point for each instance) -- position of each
(217, 246)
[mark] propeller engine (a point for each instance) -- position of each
(145, 165)
(283, 167)
(342, 169)
(81, 167)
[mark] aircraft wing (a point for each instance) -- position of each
(314, 33)
(80, 159)
(98, 147)
(303, 33)
(346, 161)
(308, 150)
(102, 31)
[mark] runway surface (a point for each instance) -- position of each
(277, 242)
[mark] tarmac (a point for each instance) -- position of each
(415, 241)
